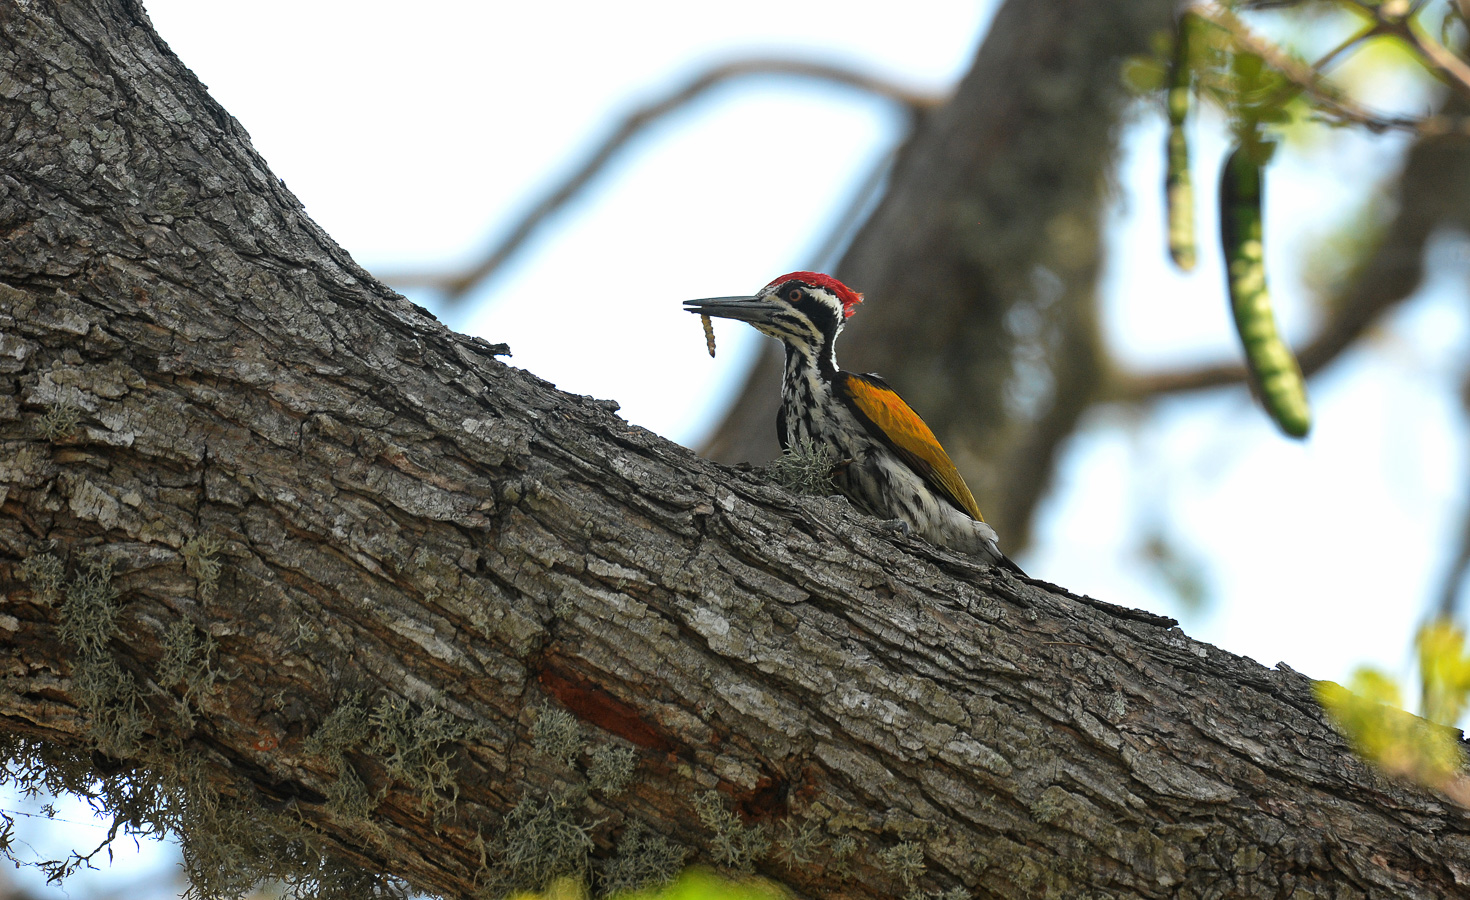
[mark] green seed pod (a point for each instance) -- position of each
(1178, 188)
(1271, 362)
(1179, 200)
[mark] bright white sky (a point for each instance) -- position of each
(414, 138)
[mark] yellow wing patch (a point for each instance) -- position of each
(894, 422)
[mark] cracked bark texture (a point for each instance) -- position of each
(401, 515)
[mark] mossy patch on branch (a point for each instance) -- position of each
(905, 861)
(199, 561)
(88, 614)
(416, 748)
(797, 843)
(229, 844)
(234, 842)
(107, 694)
(540, 840)
(159, 784)
(734, 844)
(645, 860)
(805, 468)
(557, 734)
(59, 421)
(612, 768)
(187, 658)
(45, 573)
(844, 848)
(343, 731)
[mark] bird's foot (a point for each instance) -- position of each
(898, 525)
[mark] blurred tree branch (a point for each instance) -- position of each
(1397, 17)
(1333, 104)
(453, 286)
(1309, 78)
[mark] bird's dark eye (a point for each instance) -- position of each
(793, 295)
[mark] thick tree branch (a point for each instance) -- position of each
(342, 574)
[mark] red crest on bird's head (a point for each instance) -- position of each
(849, 297)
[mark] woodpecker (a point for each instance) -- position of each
(891, 464)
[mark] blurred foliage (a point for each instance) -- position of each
(697, 883)
(1444, 669)
(1369, 713)
(1268, 92)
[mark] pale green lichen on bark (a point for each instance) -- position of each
(557, 734)
(88, 615)
(107, 694)
(612, 769)
(417, 748)
(45, 573)
(59, 421)
(844, 848)
(188, 658)
(344, 730)
(904, 861)
(539, 841)
(644, 860)
(805, 468)
(797, 843)
(229, 845)
(199, 561)
(547, 835)
(232, 845)
(183, 648)
(734, 843)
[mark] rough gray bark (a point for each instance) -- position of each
(982, 259)
(208, 409)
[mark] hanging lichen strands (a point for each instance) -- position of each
(1178, 187)
(1270, 361)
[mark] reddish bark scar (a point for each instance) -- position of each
(602, 709)
(767, 801)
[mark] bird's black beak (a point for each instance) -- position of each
(743, 309)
